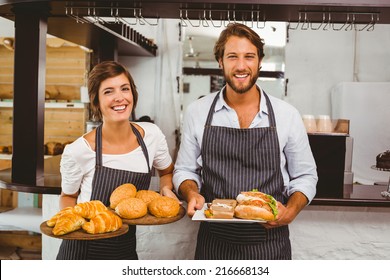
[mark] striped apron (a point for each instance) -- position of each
(236, 160)
(104, 182)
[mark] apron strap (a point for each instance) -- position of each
(98, 140)
(271, 115)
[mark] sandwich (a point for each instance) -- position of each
(221, 209)
(255, 205)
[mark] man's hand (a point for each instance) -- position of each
(189, 191)
(286, 214)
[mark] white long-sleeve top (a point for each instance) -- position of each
(296, 159)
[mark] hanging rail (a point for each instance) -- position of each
(337, 21)
(221, 17)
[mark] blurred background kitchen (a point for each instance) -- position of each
(337, 69)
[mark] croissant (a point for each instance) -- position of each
(89, 209)
(53, 220)
(68, 222)
(103, 222)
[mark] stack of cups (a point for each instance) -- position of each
(310, 123)
(324, 124)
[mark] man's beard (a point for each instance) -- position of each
(242, 88)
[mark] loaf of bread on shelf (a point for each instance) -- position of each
(53, 220)
(164, 207)
(106, 221)
(89, 209)
(147, 195)
(68, 222)
(131, 208)
(53, 148)
(5, 149)
(121, 192)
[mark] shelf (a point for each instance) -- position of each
(9, 104)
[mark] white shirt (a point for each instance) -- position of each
(296, 159)
(78, 161)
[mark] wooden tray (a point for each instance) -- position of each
(149, 219)
(82, 235)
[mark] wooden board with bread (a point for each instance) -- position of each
(248, 207)
(127, 206)
(144, 207)
(85, 221)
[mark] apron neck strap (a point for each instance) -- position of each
(98, 141)
(271, 115)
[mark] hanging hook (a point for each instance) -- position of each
(212, 21)
(299, 21)
(258, 20)
(319, 26)
(305, 24)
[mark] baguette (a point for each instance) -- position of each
(255, 205)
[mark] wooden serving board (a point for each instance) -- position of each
(83, 235)
(149, 219)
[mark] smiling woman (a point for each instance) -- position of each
(123, 151)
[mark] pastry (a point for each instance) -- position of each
(53, 220)
(89, 209)
(68, 222)
(164, 207)
(106, 221)
(122, 192)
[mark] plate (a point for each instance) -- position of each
(83, 235)
(199, 216)
(151, 220)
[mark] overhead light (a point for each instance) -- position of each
(191, 52)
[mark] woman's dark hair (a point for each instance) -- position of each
(101, 72)
(240, 30)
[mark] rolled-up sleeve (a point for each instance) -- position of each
(187, 166)
(301, 165)
(71, 174)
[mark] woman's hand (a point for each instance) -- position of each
(167, 191)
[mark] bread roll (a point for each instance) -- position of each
(131, 208)
(122, 192)
(147, 195)
(164, 207)
(106, 221)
